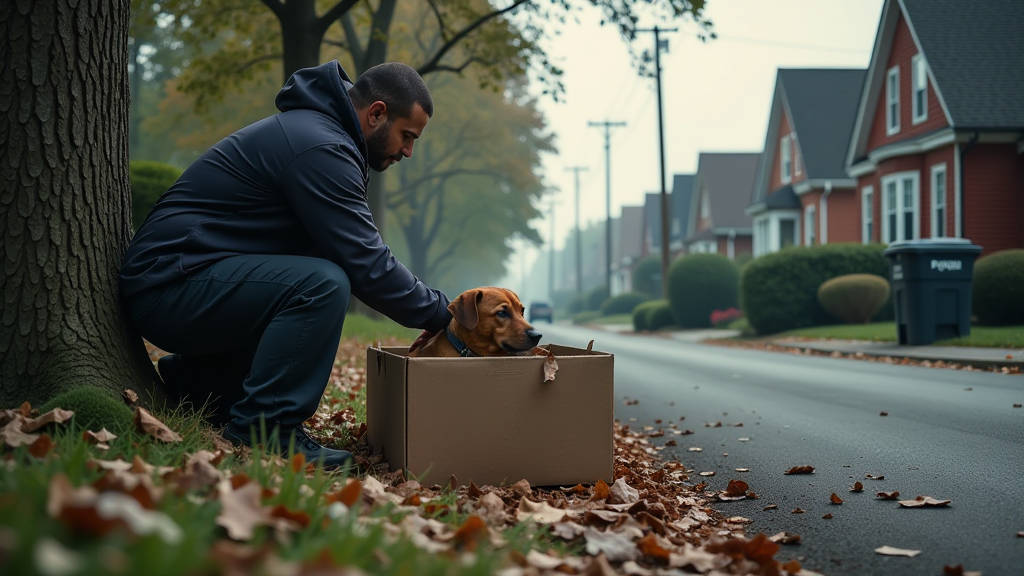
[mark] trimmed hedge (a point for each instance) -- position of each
(623, 303)
(698, 285)
(596, 297)
(640, 314)
(578, 304)
(998, 289)
(647, 275)
(854, 298)
(149, 180)
(780, 291)
(659, 315)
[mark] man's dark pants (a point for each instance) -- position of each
(256, 333)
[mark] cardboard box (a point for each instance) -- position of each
(493, 420)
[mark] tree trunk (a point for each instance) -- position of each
(65, 201)
(300, 37)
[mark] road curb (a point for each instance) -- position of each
(822, 346)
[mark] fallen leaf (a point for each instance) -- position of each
(888, 495)
(800, 470)
(601, 491)
(241, 511)
(53, 559)
(922, 501)
(835, 499)
(1017, 404)
(743, 469)
(798, 511)
(130, 397)
(55, 416)
(348, 495)
(540, 512)
(12, 435)
(883, 413)
(149, 424)
(890, 551)
(857, 487)
(958, 570)
(870, 477)
(101, 437)
(115, 505)
(827, 516)
(41, 447)
(785, 538)
(550, 367)
(695, 449)
(469, 533)
(736, 490)
(710, 473)
(770, 507)
(651, 548)
(622, 493)
(522, 488)
(616, 546)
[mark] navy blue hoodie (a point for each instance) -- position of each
(293, 183)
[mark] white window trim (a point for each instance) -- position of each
(797, 156)
(704, 247)
(892, 125)
(811, 225)
(785, 157)
(935, 171)
(898, 177)
(867, 212)
(916, 62)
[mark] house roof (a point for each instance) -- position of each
(632, 238)
(682, 192)
(976, 57)
(973, 57)
(728, 179)
(652, 218)
(783, 199)
(821, 104)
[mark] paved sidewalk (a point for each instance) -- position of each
(967, 355)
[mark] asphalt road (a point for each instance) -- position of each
(948, 434)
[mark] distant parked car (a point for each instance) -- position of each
(541, 311)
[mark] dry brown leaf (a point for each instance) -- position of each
(601, 491)
(622, 493)
(101, 437)
(652, 549)
(567, 530)
(857, 487)
(890, 551)
(540, 512)
(130, 397)
(474, 491)
(871, 477)
(827, 516)
(550, 367)
(798, 511)
(785, 538)
(616, 546)
(888, 495)
(708, 474)
(922, 501)
(835, 499)
(348, 495)
(41, 447)
(736, 490)
(522, 488)
(12, 435)
(55, 416)
(800, 470)
(469, 533)
(770, 507)
(241, 511)
(149, 424)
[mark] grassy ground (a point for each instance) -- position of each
(368, 329)
(614, 319)
(985, 336)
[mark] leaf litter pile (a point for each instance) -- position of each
(652, 519)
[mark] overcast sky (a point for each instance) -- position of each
(716, 95)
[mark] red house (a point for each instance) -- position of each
(937, 146)
(802, 194)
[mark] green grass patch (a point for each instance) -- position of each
(990, 336)
(366, 329)
(613, 319)
(982, 336)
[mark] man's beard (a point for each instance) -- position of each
(377, 147)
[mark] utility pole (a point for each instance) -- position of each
(551, 252)
(579, 249)
(661, 148)
(608, 198)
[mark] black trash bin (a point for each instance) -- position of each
(931, 288)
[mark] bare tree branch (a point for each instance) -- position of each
(335, 12)
(276, 6)
(451, 42)
(355, 47)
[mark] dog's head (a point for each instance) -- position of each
(490, 321)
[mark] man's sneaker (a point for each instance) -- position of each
(308, 447)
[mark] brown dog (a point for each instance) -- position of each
(487, 322)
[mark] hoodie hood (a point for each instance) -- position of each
(324, 89)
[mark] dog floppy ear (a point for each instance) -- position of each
(463, 308)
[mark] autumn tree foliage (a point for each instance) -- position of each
(65, 199)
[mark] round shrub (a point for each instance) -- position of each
(93, 408)
(640, 314)
(854, 298)
(586, 316)
(699, 284)
(998, 288)
(149, 180)
(779, 291)
(596, 297)
(577, 304)
(659, 315)
(647, 275)
(623, 303)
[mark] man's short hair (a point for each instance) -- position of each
(395, 84)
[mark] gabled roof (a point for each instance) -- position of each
(652, 218)
(974, 54)
(632, 234)
(821, 104)
(679, 203)
(728, 179)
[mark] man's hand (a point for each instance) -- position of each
(421, 340)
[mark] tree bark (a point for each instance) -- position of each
(65, 201)
(299, 36)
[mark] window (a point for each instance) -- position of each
(939, 229)
(761, 236)
(900, 207)
(797, 159)
(867, 232)
(892, 101)
(705, 209)
(810, 226)
(704, 247)
(787, 232)
(920, 89)
(785, 159)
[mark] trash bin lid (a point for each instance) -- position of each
(955, 245)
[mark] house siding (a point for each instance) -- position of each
(903, 50)
(843, 219)
(933, 158)
(993, 197)
(741, 244)
(785, 129)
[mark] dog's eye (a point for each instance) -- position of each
(502, 314)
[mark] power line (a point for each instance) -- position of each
(608, 197)
(793, 45)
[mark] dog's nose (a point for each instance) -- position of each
(533, 335)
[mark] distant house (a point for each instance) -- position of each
(937, 146)
(679, 200)
(722, 188)
(627, 247)
(802, 194)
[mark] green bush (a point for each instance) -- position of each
(149, 180)
(561, 299)
(93, 408)
(623, 303)
(640, 314)
(659, 316)
(585, 316)
(577, 304)
(854, 298)
(698, 285)
(998, 289)
(779, 291)
(647, 275)
(596, 297)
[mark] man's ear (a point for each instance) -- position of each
(377, 114)
(464, 310)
